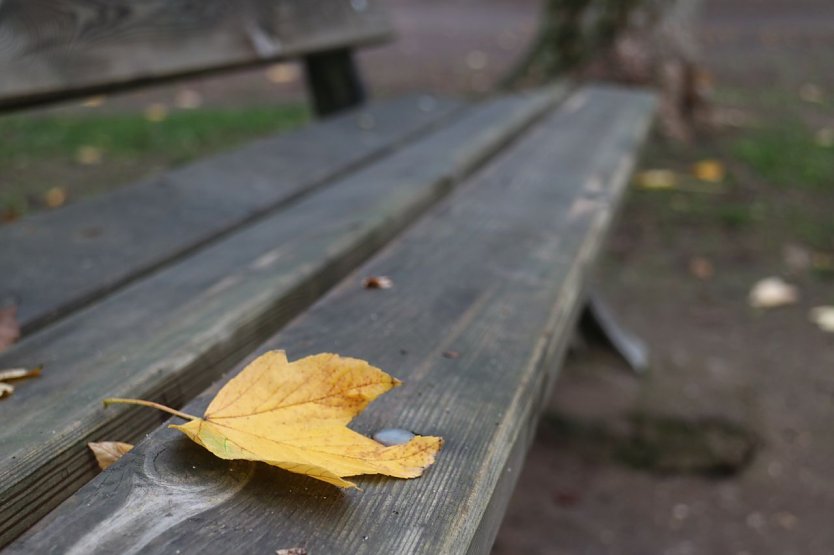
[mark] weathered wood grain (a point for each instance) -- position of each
(54, 48)
(168, 336)
(100, 244)
(494, 273)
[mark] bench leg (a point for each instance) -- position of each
(333, 81)
(598, 322)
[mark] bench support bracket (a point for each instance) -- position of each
(334, 81)
(598, 323)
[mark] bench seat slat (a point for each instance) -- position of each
(168, 336)
(494, 273)
(100, 244)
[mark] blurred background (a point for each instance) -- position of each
(723, 258)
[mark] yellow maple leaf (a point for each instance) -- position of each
(294, 415)
(709, 170)
(656, 179)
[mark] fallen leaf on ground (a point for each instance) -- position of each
(797, 258)
(709, 170)
(108, 452)
(282, 73)
(731, 117)
(94, 101)
(89, 155)
(14, 374)
(292, 551)
(55, 197)
(9, 215)
(188, 99)
(701, 268)
(823, 316)
(9, 327)
(378, 282)
(772, 292)
(156, 112)
(824, 137)
(822, 261)
(294, 415)
(809, 92)
(656, 179)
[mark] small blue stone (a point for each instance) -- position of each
(393, 436)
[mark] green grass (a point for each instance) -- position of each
(778, 190)
(787, 156)
(41, 152)
(179, 137)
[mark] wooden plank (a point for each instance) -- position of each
(58, 261)
(493, 273)
(55, 48)
(170, 335)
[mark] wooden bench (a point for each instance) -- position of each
(486, 216)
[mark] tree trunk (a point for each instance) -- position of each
(647, 42)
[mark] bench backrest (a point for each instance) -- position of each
(58, 49)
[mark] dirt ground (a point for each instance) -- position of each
(628, 465)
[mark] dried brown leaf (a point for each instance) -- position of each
(811, 92)
(89, 155)
(9, 327)
(378, 282)
(823, 316)
(55, 197)
(156, 112)
(94, 101)
(13, 374)
(701, 268)
(656, 179)
(772, 292)
(824, 138)
(6, 390)
(9, 215)
(188, 99)
(283, 73)
(108, 452)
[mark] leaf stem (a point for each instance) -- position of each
(116, 400)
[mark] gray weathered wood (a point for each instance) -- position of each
(495, 273)
(168, 336)
(53, 48)
(100, 244)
